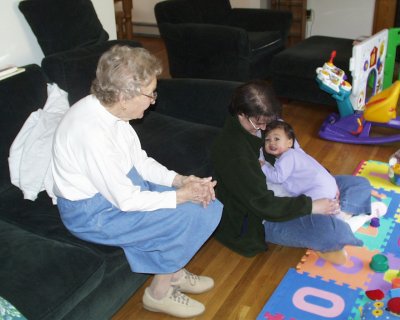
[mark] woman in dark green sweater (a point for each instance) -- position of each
(252, 214)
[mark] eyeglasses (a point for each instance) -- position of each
(153, 96)
(270, 119)
(254, 126)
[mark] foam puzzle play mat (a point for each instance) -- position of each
(367, 286)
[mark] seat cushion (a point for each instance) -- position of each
(293, 69)
(304, 58)
(42, 218)
(61, 25)
(45, 278)
(177, 144)
(262, 40)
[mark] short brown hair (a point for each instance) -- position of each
(255, 99)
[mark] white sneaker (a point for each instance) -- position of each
(191, 283)
(174, 303)
(378, 209)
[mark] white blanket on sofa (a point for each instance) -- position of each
(30, 153)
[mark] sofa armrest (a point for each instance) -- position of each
(197, 100)
(261, 20)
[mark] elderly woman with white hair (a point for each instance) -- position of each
(110, 192)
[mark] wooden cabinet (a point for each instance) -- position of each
(298, 8)
(385, 15)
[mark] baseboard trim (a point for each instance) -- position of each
(145, 29)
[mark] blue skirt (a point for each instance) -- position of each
(156, 242)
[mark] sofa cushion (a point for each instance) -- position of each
(45, 278)
(177, 144)
(204, 101)
(61, 25)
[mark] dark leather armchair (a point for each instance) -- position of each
(72, 39)
(210, 39)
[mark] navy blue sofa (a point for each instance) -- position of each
(46, 272)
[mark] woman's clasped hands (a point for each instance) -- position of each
(194, 189)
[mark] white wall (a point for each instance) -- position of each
(341, 18)
(245, 3)
(105, 12)
(18, 43)
(144, 21)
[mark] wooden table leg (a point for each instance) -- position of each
(127, 8)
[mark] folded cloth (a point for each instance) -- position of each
(30, 152)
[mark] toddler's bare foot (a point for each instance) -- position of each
(336, 257)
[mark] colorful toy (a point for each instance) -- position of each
(333, 80)
(379, 263)
(396, 283)
(385, 309)
(393, 43)
(360, 111)
(375, 223)
(380, 305)
(374, 295)
(394, 293)
(394, 168)
(367, 68)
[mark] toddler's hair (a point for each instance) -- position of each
(280, 124)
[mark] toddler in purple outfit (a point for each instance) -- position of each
(295, 172)
(298, 172)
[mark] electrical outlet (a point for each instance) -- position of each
(308, 14)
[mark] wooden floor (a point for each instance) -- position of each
(243, 285)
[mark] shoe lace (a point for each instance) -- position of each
(192, 277)
(178, 296)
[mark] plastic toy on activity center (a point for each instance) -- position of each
(358, 113)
